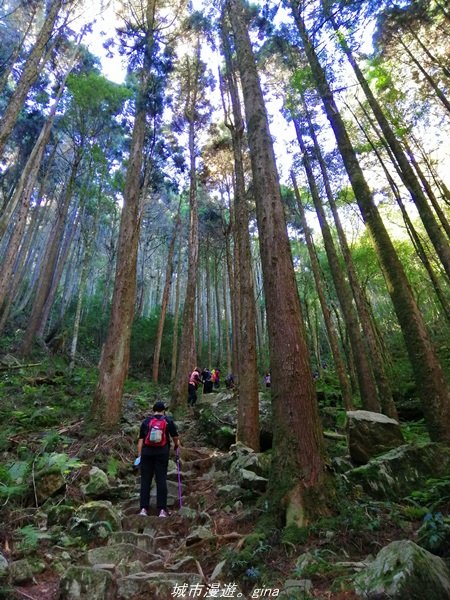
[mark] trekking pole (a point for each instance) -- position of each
(177, 454)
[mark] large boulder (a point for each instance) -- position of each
(404, 571)
(100, 510)
(371, 434)
(217, 414)
(20, 571)
(400, 471)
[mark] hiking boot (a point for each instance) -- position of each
(163, 513)
(143, 513)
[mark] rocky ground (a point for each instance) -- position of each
(76, 533)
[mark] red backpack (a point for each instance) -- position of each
(156, 435)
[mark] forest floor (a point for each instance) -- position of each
(44, 413)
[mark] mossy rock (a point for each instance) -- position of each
(396, 473)
(59, 514)
(48, 483)
(98, 484)
(404, 571)
(81, 583)
(100, 510)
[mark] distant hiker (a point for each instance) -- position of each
(153, 450)
(215, 376)
(194, 381)
(207, 381)
(229, 381)
(266, 379)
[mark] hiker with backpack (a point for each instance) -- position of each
(153, 450)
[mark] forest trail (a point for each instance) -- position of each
(161, 558)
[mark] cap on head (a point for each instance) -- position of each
(159, 406)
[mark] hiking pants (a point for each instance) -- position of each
(192, 394)
(154, 464)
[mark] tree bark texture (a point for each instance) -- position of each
(165, 298)
(51, 257)
(248, 406)
(331, 331)
(186, 354)
(297, 472)
(366, 381)
(364, 312)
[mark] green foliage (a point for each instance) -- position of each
(29, 537)
(434, 535)
(112, 467)
(435, 492)
(62, 461)
(415, 431)
(250, 561)
(302, 80)
(12, 484)
(143, 337)
(93, 92)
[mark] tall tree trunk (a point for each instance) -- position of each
(66, 243)
(298, 469)
(27, 180)
(427, 187)
(434, 86)
(226, 324)
(366, 381)
(429, 376)
(165, 297)
(7, 65)
(218, 319)
(113, 367)
(364, 313)
(437, 237)
(331, 332)
(176, 317)
(29, 74)
(208, 308)
(248, 430)
(186, 355)
(77, 319)
(51, 257)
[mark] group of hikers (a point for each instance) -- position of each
(209, 379)
(158, 431)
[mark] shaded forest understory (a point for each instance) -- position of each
(46, 476)
(261, 189)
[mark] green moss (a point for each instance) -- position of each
(295, 535)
